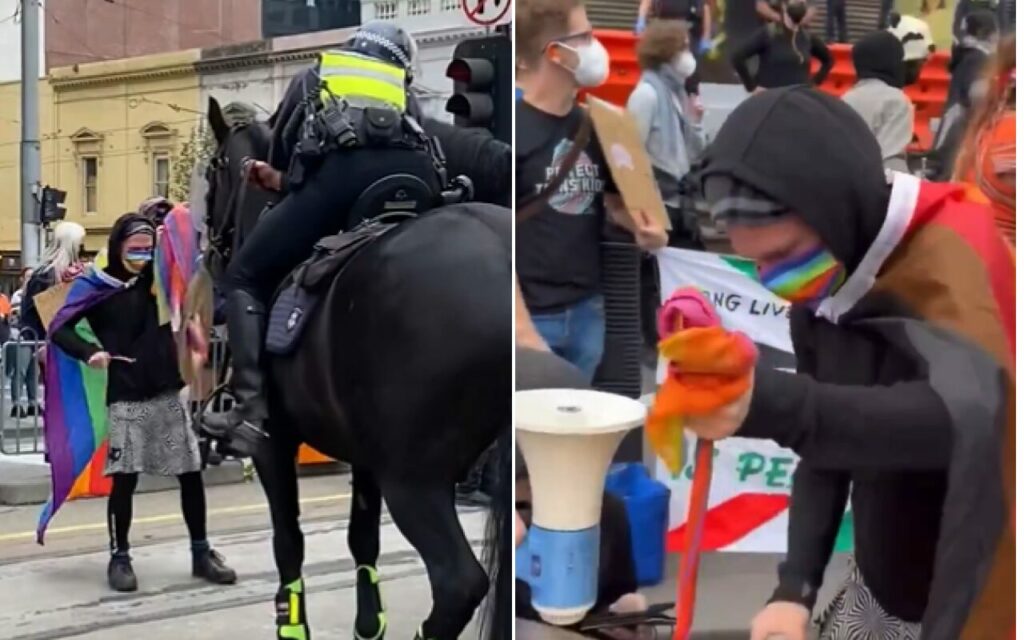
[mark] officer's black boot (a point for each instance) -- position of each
(243, 424)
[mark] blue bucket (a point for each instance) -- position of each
(646, 503)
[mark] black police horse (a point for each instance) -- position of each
(405, 372)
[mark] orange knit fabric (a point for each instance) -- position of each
(994, 170)
(709, 368)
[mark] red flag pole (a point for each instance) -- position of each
(690, 562)
(686, 598)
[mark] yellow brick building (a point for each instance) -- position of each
(114, 129)
(108, 134)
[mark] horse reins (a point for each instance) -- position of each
(534, 205)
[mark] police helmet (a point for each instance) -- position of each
(384, 41)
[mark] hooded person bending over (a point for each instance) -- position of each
(903, 330)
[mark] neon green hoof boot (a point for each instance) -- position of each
(290, 604)
(371, 618)
(293, 632)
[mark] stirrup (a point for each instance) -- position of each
(246, 438)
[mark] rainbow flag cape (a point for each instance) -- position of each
(75, 414)
(175, 263)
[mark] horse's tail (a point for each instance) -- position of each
(496, 622)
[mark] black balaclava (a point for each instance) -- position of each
(815, 156)
(879, 55)
(126, 226)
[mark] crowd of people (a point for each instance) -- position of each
(858, 237)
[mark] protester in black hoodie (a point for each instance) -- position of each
(783, 51)
(902, 328)
(149, 431)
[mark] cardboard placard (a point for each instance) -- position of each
(49, 302)
(628, 161)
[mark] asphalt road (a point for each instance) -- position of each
(60, 591)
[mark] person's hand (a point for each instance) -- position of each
(641, 24)
(696, 109)
(757, 90)
(649, 236)
(706, 44)
(263, 175)
(781, 621)
(724, 422)
(99, 360)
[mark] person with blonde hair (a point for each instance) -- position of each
(987, 162)
(61, 262)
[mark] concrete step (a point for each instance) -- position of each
(26, 479)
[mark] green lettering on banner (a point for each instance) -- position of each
(750, 463)
(778, 473)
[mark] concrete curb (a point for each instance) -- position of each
(27, 483)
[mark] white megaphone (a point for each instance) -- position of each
(568, 438)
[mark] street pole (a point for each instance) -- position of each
(30, 163)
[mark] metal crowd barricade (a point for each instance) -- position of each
(21, 397)
(21, 393)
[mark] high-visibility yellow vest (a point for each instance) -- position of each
(362, 81)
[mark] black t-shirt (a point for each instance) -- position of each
(558, 250)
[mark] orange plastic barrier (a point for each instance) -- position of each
(928, 94)
(309, 455)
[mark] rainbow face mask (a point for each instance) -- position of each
(137, 259)
(807, 278)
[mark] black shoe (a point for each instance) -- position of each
(16, 411)
(242, 426)
(121, 576)
(209, 565)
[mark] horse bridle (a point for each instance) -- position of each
(223, 236)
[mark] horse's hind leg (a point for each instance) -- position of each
(364, 542)
(276, 466)
(426, 517)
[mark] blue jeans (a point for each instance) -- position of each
(576, 333)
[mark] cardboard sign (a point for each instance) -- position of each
(628, 161)
(49, 302)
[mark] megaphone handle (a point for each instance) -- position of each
(690, 562)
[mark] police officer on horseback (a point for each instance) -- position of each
(345, 148)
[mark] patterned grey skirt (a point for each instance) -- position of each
(854, 614)
(152, 437)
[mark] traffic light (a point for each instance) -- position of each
(481, 71)
(51, 205)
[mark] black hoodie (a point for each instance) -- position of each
(879, 55)
(853, 378)
(127, 324)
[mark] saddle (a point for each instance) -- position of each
(304, 289)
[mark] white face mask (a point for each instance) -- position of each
(592, 69)
(685, 64)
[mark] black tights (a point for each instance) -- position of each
(119, 508)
